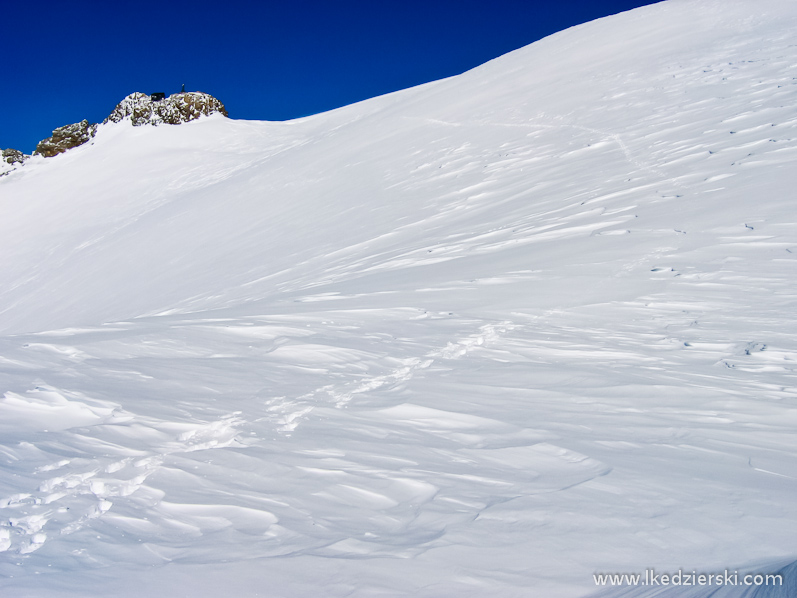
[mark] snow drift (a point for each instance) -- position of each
(483, 337)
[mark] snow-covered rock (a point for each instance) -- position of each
(178, 108)
(140, 109)
(10, 160)
(65, 138)
(13, 156)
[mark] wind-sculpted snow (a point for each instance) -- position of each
(485, 337)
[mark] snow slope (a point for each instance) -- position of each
(483, 337)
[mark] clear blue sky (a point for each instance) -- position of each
(67, 60)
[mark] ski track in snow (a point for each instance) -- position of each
(86, 485)
(290, 412)
(115, 455)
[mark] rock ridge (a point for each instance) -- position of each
(65, 138)
(139, 108)
(142, 109)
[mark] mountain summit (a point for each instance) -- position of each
(140, 109)
(143, 109)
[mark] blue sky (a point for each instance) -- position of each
(69, 60)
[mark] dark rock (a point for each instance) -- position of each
(65, 138)
(140, 109)
(11, 156)
(178, 108)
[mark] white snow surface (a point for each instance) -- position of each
(483, 337)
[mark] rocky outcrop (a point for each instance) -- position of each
(140, 109)
(65, 138)
(10, 160)
(178, 108)
(11, 156)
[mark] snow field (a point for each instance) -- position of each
(487, 336)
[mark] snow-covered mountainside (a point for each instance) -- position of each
(489, 336)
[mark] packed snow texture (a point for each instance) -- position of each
(483, 337)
